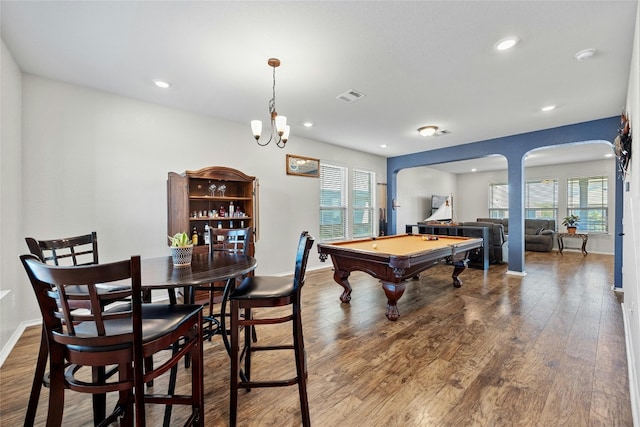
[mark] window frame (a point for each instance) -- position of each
(367, 211)
(498, 212)
(584, 203)
(528, 200)
(328, 212)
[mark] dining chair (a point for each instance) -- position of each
(229, 240)
(259, 292)
(77, 250)
(116, 342)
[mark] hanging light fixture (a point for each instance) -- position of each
(279, 128)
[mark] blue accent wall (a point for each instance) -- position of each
(514, 148)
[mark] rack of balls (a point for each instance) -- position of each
(429, 237)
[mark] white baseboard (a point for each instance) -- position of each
(516, 273)
(13, 340)
(633, 378)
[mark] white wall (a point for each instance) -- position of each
(97, 161)
(471, 193)
(415, 188)
(15, 297)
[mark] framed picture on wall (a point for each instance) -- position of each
(303, 166)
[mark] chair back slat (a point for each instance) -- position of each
(233, 240)
(78, 250)
(304, 247)
(59, 288)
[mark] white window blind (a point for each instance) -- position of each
(587, 197)
(541, 199)
(498, 200)
(333, 202)
(363, 202)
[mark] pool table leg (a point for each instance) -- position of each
(342, 278)
(458, 267)
(393, 291)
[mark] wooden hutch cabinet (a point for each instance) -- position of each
(214, 196)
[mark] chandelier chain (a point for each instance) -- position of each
(272, 102)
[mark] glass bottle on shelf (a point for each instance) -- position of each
(194, 236)
(207, 238)
(231, 209)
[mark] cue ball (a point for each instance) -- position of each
(374, 245)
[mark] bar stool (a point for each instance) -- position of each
(77, 250)
(114, 341)
(268, 291)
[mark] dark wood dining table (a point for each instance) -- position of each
(160, 273)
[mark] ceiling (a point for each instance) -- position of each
(417, 62)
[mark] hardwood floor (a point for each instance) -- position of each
(546, 349)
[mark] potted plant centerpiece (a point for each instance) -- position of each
(571, 222)
(181, 249)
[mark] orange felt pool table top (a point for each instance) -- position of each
(400, 245)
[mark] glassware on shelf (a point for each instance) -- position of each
(222, 189)
(212, 190)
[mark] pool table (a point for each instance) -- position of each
(394, 259)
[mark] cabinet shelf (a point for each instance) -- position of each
(189, 192)
(221, 199)
(219, 218)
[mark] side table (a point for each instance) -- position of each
(583, 236)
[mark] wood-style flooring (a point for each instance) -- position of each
(546, 349)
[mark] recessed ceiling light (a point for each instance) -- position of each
(585, 54)
(383, 146)
(162, 84)
(474, 169)
(307, 124)
(549, 108)
(609, 155)
(507, 43)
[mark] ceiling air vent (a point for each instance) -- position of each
(350, 96)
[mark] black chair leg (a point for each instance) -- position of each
(99, 400)
(41, 366)
(301, 369)
(248, 353)
(235, 364)
(172, 387)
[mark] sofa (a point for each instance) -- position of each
(539, 234)
(497, 238)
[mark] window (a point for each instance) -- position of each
(541, 199)
(587, 197)
(363, 191)
(333, 202)
(498, 200)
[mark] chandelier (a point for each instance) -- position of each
(279, 128)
